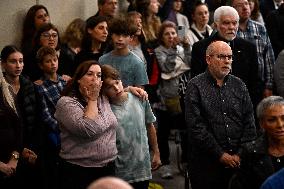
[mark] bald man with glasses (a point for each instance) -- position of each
(220, 119)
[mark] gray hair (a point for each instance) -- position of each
(225, 10)
(267, 103)
(7, 96)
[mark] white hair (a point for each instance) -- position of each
(7, 96)
(225, 10)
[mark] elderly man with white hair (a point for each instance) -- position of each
(245, 62)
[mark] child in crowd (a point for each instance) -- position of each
(130, 66)
(49, 93)
(135, 123)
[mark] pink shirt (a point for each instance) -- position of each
(86, 142)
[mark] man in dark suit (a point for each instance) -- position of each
(267, 6)
(244, 65)
(107, 8)
(274, 26)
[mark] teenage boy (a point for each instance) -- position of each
(130, 66)
(49, 91)
(135, 120)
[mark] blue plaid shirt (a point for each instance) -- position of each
(49, 93)
(256, 33)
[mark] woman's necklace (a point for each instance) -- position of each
(277, 154)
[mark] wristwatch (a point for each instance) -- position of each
(16, 156)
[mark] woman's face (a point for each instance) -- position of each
(14, 64)
(273, 122)
(153, 8)
(41, 17)
(251, 5)
(99, 32)
(201, 15)
(177, 5)
(169, 36)
(91, 78)
(49, 38)
(138, 22)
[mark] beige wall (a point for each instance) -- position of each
(62, 12)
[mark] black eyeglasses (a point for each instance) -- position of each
(48, 35)
(223, 57)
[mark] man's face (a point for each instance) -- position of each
(120, 41)
(220, 60)
(109, 8)
(227, 27)
(243, 8)
(113, 89)
(273, 122)
(49, 64)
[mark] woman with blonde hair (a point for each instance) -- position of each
(150, 21)
(71, 45)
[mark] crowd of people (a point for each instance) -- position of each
(95, 107)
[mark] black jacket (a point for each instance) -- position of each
(256, 165)
(274, 25)
(244, 66)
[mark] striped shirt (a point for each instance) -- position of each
(86, 142)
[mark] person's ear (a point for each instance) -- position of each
(261, 124)
(89, 30)
(214, 25)
(208, 59)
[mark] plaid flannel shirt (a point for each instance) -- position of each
(256, 33)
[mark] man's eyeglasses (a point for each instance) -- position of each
(48, 36)
(223, 57)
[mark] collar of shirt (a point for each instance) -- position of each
(213, 80)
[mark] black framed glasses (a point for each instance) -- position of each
(48, 35)
(223, 57)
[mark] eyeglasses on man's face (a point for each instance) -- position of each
(223, 57)
(48, 35)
